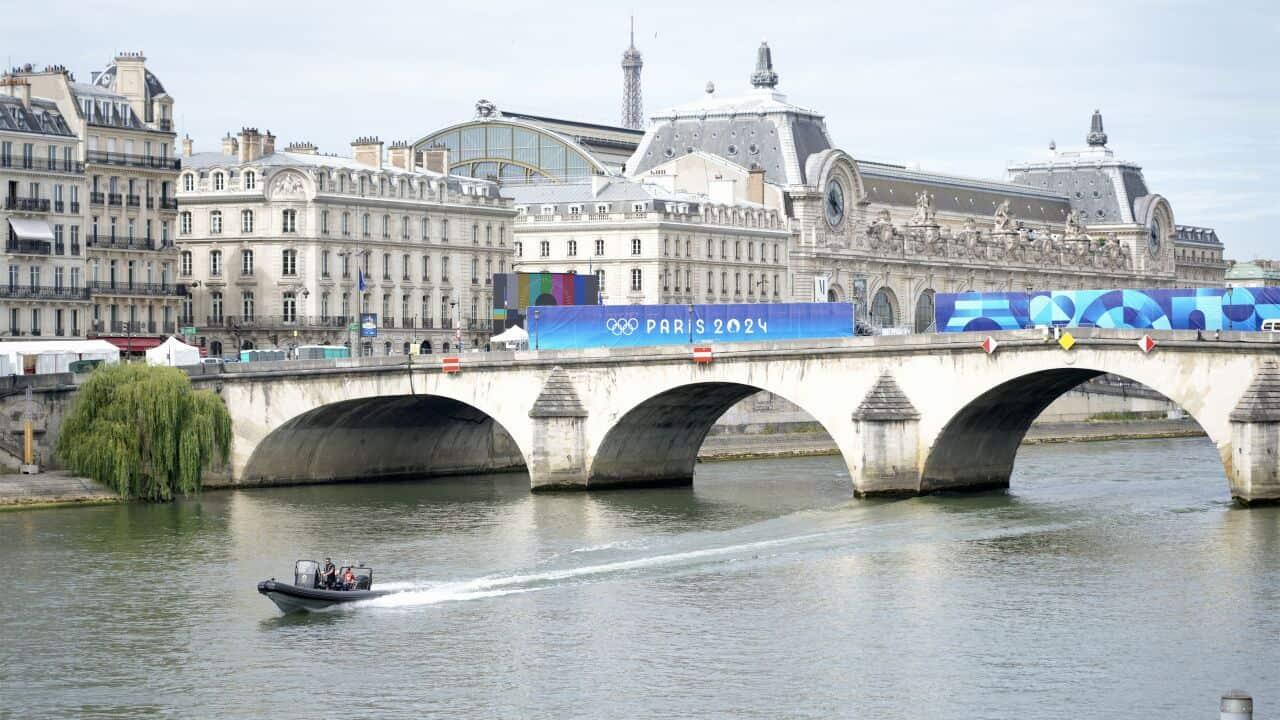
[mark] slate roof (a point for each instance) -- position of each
(41, 118)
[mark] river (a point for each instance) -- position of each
(1113, 580)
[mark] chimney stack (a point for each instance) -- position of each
(367, 151)
(229, 145)
(302, 147)
(17, 87)
(250, 144)
(268, 144)
(436, 159)
(187, 146)
(755, 184)
(400, 155)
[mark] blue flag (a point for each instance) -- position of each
(360, 274)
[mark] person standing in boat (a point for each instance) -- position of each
(329, 575)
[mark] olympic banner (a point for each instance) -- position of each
(586, 326)
(1242, 308)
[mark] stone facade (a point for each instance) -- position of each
(45, 291)
(650, 245)
(124, 122)
(276, 244)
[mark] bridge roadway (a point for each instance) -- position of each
(910, 414)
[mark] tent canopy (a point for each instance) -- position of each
(513, 334)
(173, 352)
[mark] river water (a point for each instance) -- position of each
(1113, 580)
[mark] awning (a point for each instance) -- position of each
(135, 344)
(30, 229)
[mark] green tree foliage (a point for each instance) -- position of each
(142, 431)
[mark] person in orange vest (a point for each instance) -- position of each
(348, 580)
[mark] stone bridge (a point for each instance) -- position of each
(910, 414)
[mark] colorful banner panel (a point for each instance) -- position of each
(513, 293)
(562, 328)
(1174, 309)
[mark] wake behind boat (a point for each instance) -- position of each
(312, 590)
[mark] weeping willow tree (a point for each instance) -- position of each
(142, 431)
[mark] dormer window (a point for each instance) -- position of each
(637, 207)
(522, 210)
(548, 209)
(219, 181)
(575, 209)
(602, 209)
(188, 182)
(250, 180)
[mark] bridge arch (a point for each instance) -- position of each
(978, 443)
(383, 437)
(656, 441)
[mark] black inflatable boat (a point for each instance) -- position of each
(307, 592)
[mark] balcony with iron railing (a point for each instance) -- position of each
(168, 203)
(75, 207)
(132, 327)
(115, 199)
(133, 201)
(277, 322)
(118, 287)
(43, 292)
(19, 246)
(135, 161)
(122, 243)
(97, 198)
(41, 164)
(22, 204)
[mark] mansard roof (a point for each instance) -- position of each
(41, 118)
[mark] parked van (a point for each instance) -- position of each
(1271, 325)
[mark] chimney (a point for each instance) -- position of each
(19, 88)
(250, 144)
(229, 145)
(400, 155)
(755, 184)
(367, 151)
(436, 159)
(268, 144)
(302, 147)
(187, 146)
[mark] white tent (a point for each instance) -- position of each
(511, 336)
(15, 350)
(173, 352)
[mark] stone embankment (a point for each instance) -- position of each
(51, 488)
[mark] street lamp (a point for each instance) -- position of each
(537, 329)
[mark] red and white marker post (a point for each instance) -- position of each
(450, 364)
(702, 354)
(1146, 343)
(989, 345)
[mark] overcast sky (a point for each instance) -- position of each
(1189, 90)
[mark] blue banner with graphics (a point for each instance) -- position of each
(368, 325)
(585, 326)
(1242, 308)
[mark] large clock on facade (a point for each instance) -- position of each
(833, 203)
(1155, 238)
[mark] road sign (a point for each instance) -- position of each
(353, 327)
(188, 331)
(450, 364)
(702, 354)
(1146, 343)
(990, 344)
(1066, 341)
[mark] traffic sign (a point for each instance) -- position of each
(702, 354)
(450, 364)
(1066, 341)
(1146, 343)
(353, 327)
(990, 344)
(188, 331)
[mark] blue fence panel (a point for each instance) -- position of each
(583, 326)
(1161, 309)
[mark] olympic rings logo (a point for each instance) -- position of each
(621, 326)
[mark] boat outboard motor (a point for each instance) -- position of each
(306, 574)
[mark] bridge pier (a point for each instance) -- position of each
(887, 426)
(558, 458)
(1254, 467)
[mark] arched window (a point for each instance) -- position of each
(215, 222)
(289, 262)
(188, 182)
(246, 262)
(924, 312)
(250, 180)
(884, 308)
(219, 181)
(246, 221)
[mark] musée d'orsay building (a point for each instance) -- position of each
(885, 236)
